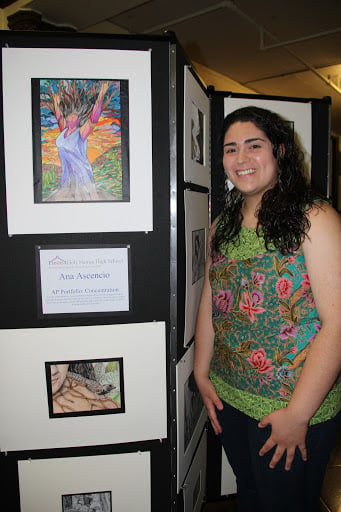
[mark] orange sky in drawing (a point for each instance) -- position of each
(99, 141)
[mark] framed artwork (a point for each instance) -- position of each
(196, 232)
(85, 159)
(100, 483)
(196, 132)
(83, 279)
(134, 347)
(198, 254)
(87, 501)
(195, 482)
(85, 388)
(191, 414)
(80, 132)
(298, 116)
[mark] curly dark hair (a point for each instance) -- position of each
(282, 215)
(76, 103)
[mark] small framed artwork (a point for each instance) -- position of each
(84, 388)
(98, 483)
(87, 502)
(198, 254)
(83, 280)
(196, 232)
(195, 482)
(191, 413)
(196, 132)
(85, 131)
(69, 400)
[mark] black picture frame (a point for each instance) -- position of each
(43, 123)
(85, 500)
(78, 386)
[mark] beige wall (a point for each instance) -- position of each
(220, 82)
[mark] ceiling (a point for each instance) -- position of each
(273, 47)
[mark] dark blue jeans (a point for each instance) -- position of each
(261, 489)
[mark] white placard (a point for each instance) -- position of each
(22, 364)
(293, 111)
(196, 232)
(19, 66)
(196, 132)
(84, 280)
(43, 482)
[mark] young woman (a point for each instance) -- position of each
(268, 334)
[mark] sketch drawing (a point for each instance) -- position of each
(87, 502)
(84, 387)
(193, 408)
(197, 135)
(198, 254)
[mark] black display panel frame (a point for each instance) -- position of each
(149, 252)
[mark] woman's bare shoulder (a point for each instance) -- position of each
(321, 213)
(325, 225)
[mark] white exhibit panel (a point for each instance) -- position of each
(228, 479)
(195, 483)
(295, 112)
(26, 216)
(196, 232)
(142, 347)
(196, 132)
(191, 414)
(45, 482)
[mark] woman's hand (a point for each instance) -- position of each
(287, 432)
(211, 401)
(56, 99)
(104, 87)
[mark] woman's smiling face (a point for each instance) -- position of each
(248, 159)
(58, 376)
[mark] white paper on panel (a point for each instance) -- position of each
(196, 230)
(195, 483)
(19, 66)
(191, 414)
(25, 422)
(43, 482)
(296, 112)
(196, 132)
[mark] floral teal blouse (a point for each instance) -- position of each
(265, 320)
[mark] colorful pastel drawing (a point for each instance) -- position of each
(80, 140)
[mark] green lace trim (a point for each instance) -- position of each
(257, 406)
(248, 245)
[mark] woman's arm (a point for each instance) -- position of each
(203, 346)
(87, 127)
(322, 252)
(57, 112)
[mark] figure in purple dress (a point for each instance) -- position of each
(77, 111)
